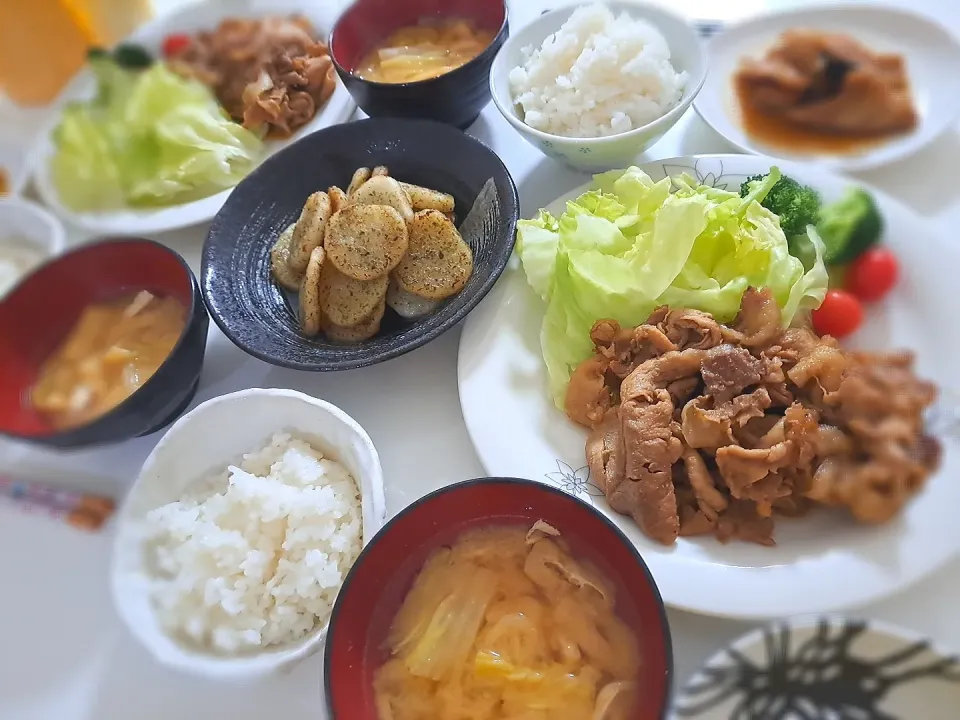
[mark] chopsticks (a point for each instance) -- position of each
(77, 509)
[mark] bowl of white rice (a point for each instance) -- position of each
(593, 86)
(240, 530)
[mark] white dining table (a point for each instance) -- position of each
(63, 652)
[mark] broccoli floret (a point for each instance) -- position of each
(796, 205)
(747, 185)
(850, 225)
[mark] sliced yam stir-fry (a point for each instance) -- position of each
(309, 231)
(384, 190)
(364, 330)
(347, 301)
(422, 198)
(283, 273)
(406, 304)
(382, 243)
(366, 242)
(360, 176)
(438, 262)
(338, 198)
(310, 312)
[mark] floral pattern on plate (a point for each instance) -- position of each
(707, 171)
(575, 482)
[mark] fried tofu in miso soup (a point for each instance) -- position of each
(113, 349)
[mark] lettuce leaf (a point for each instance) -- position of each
(631, 244)
(148, 138)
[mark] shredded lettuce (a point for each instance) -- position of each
(631, 244)
(148, 138)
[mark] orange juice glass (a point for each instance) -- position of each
(43, 43)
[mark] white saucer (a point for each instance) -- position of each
(933, 64)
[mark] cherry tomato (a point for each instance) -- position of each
(175, 43)
(839, 315)
(873, 274)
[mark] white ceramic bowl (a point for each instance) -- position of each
(615, 151)
(205, 440)
(23, 223)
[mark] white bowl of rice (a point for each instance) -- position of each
(593, 86)
(237, 536)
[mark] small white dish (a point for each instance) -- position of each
(933, 64)
(30, 232)
(208, 439)
(191, 18)
(827, 667)
(822, 562)
(604, 153)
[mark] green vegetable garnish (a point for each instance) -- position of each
(631, 244)
(132, 57)
(796, 205)
(850, 225)
(148, 138)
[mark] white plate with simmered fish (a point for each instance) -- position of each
(851, 86)
(667, 352)
(155, 134)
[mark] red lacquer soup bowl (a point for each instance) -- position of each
(44, 307)
(384, 572)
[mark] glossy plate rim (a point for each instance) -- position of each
(501, 377)
(939, 105)
(193, 16)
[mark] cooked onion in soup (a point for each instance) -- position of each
(422, 52)
(114, 348)
(506, 624)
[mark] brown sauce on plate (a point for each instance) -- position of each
(782, 134)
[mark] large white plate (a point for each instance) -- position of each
(933, 64)
(191, 18)
(820, 563)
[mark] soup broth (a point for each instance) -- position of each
(114, 348)
(425, 51)
(505, 623)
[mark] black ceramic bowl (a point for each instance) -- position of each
(261, 318)
(38, 314)
(455, 98)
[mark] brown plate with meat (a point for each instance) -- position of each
(854, 87)
(762, 471)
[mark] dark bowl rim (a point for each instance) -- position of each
(417, 340)
(490, 50)
(386, 529)
(195, 297)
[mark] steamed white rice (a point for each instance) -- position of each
(255, 556)
(598, 75)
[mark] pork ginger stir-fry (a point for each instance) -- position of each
(506, 624)
(701, 428)
(271, 74)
